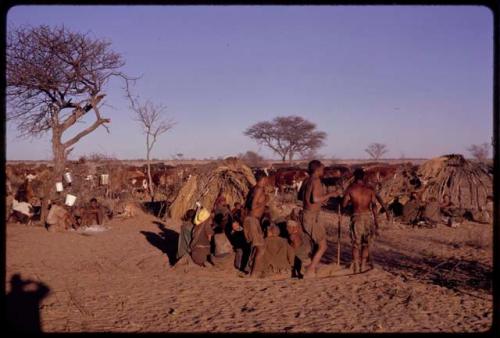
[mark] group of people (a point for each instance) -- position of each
(295, 246)
(431, 212)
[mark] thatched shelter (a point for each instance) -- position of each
(230, 177)
(466, 182)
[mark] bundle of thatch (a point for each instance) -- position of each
(467, 183)
(400, 184)
(231, 178)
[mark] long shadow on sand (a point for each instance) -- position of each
(450, 273)
(166, 241)
(23, 303)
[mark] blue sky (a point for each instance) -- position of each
(417, 78)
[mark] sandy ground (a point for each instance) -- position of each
(121, 280)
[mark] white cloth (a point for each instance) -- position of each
(22, 207)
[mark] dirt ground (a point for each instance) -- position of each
(429, 280)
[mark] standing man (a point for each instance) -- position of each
(362, 227)
(255, 206)
(312, 194)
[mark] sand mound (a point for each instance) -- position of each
(231, 177)
(467, 183)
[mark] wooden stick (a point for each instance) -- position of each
(338, 237)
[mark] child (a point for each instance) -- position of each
(301, 245)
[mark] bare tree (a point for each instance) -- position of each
(376, 150)
(150, 116)
(55, 78)
(252, 159)
(480, 151)
(287, 136)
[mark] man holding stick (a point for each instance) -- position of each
(363, 223)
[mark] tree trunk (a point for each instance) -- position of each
(290, 157)
(150, 179)
(283, 158)
(59, 161)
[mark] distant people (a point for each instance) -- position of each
(362, 228)
(301, 245)
(255, 206)
(23, 305)
(185, 234)
(202, 236)
(93, 213)
(411, 210)
(279, 255)
(312, 194)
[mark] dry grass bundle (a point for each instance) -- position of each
(467, 183)
(231, 177)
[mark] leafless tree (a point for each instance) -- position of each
(252, 159)
(55, 78)
(150, 117)
(480, 151)
(376, 150)
(287, 136)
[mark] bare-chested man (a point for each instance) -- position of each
(362, 228)
(255, 205)
(312, 194)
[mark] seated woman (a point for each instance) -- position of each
(185, 233)
(202, 236)
(278, 254)
(22, 210)
(59, 217)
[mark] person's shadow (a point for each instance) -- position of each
(166, 241)
(22, 304)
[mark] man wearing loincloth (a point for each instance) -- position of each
(255, 205)
(362, 227)
(312, 194)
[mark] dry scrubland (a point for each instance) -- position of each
(121, 280)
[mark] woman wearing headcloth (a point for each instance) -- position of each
(202, 235)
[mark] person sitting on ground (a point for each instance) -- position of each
(22, 210)
(485, 213)
(431, 215)
(396, 208)
(93, 213)
(411, 210)
(201, 238)
(59, 217)
(279, 255)
(185, 233)
(301, 245)
(452, 216)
